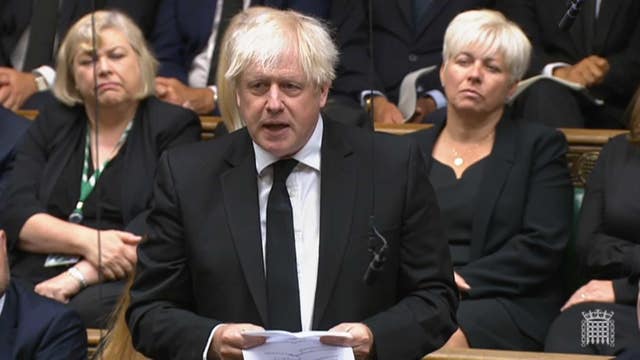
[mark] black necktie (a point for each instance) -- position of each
(229, 9)
(44, 20)
(282, 272)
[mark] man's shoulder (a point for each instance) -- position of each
(211, 151)
(42, 323)
(37, 311)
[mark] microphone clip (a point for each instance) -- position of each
(377, 247)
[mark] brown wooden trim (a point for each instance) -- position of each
(483, 354)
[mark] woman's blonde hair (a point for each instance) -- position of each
(492, 31)
(80, 37)
(116, 344)
(632, 114)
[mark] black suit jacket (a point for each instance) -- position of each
(12, 127)
(398, 48)
(617, 38)
(608, 243)
(34, 327)
(202, 264)
(50, 140)
(183, 27)
(521, 220)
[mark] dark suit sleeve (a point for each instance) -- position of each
(65, 338)
(24, 182)
(162, 290)
(179, 126)
(603, 255)
(424, 318)
(624, 64)
(531, 255)
(350, 29)
(170, 49)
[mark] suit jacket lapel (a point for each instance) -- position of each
(497, 170)
(406, 9)
(431, 14)
(337, 194)
(243, 214)
(430, 138)
(577, 32)
(608, 13)
(8, 319)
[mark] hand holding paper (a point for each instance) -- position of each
(307, 345)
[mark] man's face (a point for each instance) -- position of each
(280, 106)
(4, 263)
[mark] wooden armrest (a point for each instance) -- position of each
(484, 354)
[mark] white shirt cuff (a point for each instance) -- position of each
(438, 97)
(366, 93)
(206, 348)
(214, 92)
(47, 73)
(548, 69)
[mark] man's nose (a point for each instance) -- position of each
(274, 98)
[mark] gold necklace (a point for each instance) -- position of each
(458, 159)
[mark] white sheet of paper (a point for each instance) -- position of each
(306, 345)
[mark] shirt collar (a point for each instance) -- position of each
(309, 155)
(4, 296)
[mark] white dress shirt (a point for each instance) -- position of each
(199, 72)
(303, 185)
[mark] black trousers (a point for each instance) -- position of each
(487, 325)
(555, 105)
(567, 333)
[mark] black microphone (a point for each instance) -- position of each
(571, 14)
(379, 258)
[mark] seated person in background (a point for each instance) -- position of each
(187, 40)
(503, 187)
(407, 36)
(33, 327)
(12, 127)
(229, 226)
(601, 51)
(30, 32)
(608, 247)
(87, 154)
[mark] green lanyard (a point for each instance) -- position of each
(88, 183)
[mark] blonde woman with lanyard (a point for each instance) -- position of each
(74, 183)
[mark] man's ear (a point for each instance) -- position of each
(324, 94)
(3, 247)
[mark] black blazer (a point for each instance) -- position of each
(34, 327)
(617, 38)
(521, 221)
(202, 263)
(12, 127)
(49, 142)
(398, 49)
(608, 243)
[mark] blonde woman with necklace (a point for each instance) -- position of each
(503, 188)
(93, 151)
